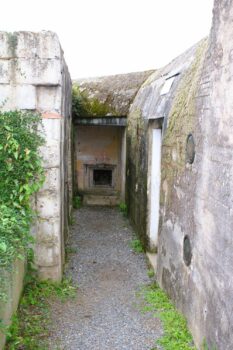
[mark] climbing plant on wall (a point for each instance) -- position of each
(21, 175)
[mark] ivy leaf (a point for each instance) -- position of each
(3, 247)
(16, 155)
(20, 257)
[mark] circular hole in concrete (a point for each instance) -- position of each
(187, 251)
(190, 149)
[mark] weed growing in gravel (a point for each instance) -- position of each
(30, 326)
(77, 202)
(150, 273)
(176, 334)
(71, 250)
(136, 245)
(123, 209)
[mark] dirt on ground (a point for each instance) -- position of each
(106, 314)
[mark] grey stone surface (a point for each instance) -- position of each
(106, 312)
(118, 91)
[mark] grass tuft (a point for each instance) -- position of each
(176, 334)
(30, 325)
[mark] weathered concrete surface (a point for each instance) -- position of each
(14, 279)
(34, 76)
(115, 91)
(106, 312)
(196, 199)
(146, 113)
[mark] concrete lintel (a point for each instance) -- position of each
(105, 121)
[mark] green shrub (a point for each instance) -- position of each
(21, 175)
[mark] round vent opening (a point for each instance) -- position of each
(187, 251)
(190, 149)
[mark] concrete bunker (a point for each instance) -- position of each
(180, 115)
(100, 160)
(100, 137)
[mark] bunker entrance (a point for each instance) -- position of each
(102, 177)
(100, 160)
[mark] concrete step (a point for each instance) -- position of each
(96, 199)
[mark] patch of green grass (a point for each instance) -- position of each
(136, 245)
(30, 325)
(71, 250)
(123, 209)
(77, 202)
(150, 273)
(176, 334)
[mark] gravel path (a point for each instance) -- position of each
(106, 313)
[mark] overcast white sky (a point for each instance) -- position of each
(102, 37)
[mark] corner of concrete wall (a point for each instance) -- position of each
(136, 171)
(34, 76)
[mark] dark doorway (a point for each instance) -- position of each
(102, 177)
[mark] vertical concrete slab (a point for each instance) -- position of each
(34, 76)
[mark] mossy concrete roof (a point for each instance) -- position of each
(151, 100)
(116, 91)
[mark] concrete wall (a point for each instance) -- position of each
(195, 247)
(34, 76)
(97, 146)
(195, 251)
(149, 111)
(13, 290)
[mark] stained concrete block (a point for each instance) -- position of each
(48, 205)
(25, 97)
(38, 45)
(17, 97)
(47, 255)
(4, 72)
(51, 155)
(50, 272)
(51, 130)
(38, 71)
(4, 42)
(5, 95)
(49, 99)
(48, 231)
(52, 180)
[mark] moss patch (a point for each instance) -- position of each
(181, 122)
(85, 106)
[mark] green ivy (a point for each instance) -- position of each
(21, 175)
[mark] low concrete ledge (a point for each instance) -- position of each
(14, 287)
